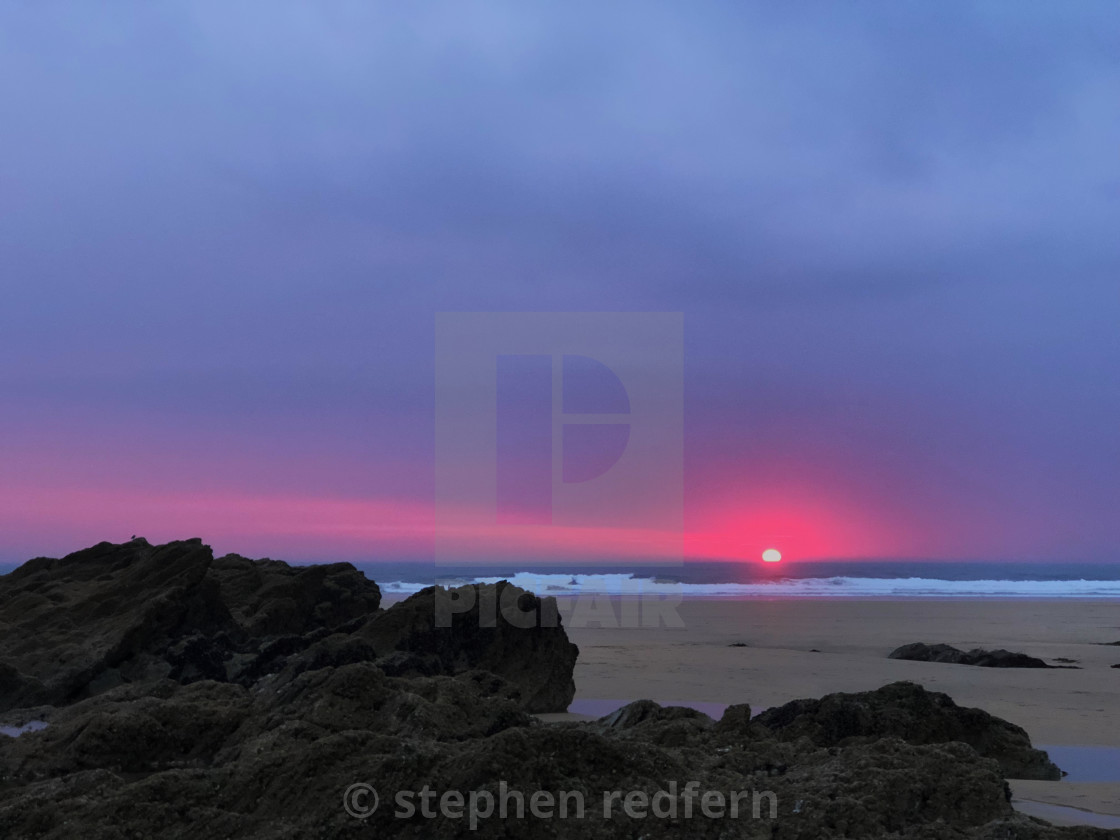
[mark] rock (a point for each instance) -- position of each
(642, 712)
(135, 730)
(736, 719)
(217, 759)
(665, 726)
(100, 614)
(399, 663)
(889, 788)
(20, 690)
(920, 652)
(114, 615)
(361, 696)
(271, 598)
(907, 711)
(538, 659)
(275, 765)
(309, 696)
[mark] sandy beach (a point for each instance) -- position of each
(807, 648)
(252, 693)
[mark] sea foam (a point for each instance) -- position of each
(819, 587)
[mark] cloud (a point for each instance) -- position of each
(235, 212)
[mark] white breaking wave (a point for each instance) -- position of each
(828, 587)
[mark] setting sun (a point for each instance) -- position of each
(771, 555)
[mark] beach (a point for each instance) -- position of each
(292, 695)
(798, 648)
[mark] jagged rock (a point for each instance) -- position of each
(271, 598)
(921, 652)
(114, 614)
(889, 786)
(67, 622)
(217, 759)
(537, 659)
(130, 729)
(18, 689)
(665, 726)
(275, 764)
(736, 719)
(907, 711)
(321, 700)
(400, 663)
(361, 696)
(647, 712)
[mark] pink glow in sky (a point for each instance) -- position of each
(226, 240)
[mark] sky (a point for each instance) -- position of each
(891, 230)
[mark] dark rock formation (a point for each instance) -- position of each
(272, 761)
(673, 726)
(314, 693)
(129, 614)
(645, 712)
(920, 652)
(907, 711)
(536, 657)
(115, 614)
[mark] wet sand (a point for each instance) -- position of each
(807, 648)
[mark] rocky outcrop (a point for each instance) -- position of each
(921, 652)
(314, 689)
(907, 711)
(645, 720)
(273, 761)
(116, 614)
(132, 614)
(536, 656)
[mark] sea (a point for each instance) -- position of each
(787, 579)
(806, 579)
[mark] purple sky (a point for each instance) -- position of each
(893, 230)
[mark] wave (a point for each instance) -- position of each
(822, 587)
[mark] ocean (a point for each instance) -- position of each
(788, 579)
(819, 579)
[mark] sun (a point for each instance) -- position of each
(771, 555)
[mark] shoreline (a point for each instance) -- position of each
(799, 647)
(389, 597)
(350, 674)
